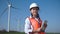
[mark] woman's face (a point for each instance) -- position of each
(34, 11)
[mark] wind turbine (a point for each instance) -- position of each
(18, 23)
(9, 8)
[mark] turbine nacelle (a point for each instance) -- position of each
(9, 5)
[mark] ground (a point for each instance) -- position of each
(15, 32)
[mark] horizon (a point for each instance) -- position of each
(49, 10)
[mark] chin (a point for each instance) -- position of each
(35, 13)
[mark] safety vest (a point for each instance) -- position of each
(35, 24)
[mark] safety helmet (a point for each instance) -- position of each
(33, 5)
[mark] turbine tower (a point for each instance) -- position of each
(18, 25)
(9, 6)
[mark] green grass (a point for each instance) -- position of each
(12, 32)
(15, 32)
(52, 33)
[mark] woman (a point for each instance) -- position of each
(33, 24)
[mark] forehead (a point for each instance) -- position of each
(35, 8)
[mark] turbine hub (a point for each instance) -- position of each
(9, 5)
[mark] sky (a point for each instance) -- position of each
(49, 10)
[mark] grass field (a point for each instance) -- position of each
(15, 32)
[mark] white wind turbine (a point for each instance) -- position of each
(8, 8)
(18, 24)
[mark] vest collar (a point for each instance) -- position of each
(38, 19)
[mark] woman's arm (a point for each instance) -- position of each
(28, 27)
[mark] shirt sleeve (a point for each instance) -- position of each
(28, 26)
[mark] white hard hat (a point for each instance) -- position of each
(33, 5)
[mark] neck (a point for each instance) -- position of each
(34, 16)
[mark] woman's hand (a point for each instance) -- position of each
(41, 28)
(38, 30)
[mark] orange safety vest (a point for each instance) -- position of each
(35, 24)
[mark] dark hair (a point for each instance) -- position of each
(36, 16)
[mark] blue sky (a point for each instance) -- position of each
(49, 10)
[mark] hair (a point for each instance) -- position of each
(36, 16)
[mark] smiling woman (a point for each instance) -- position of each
(33, 24)
(48, 10)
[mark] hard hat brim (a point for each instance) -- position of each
(34, 7)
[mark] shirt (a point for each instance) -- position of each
(28, 26)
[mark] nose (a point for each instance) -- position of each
(35, 10)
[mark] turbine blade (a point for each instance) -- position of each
(3, 12)
(14, 7)
(9, 2)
